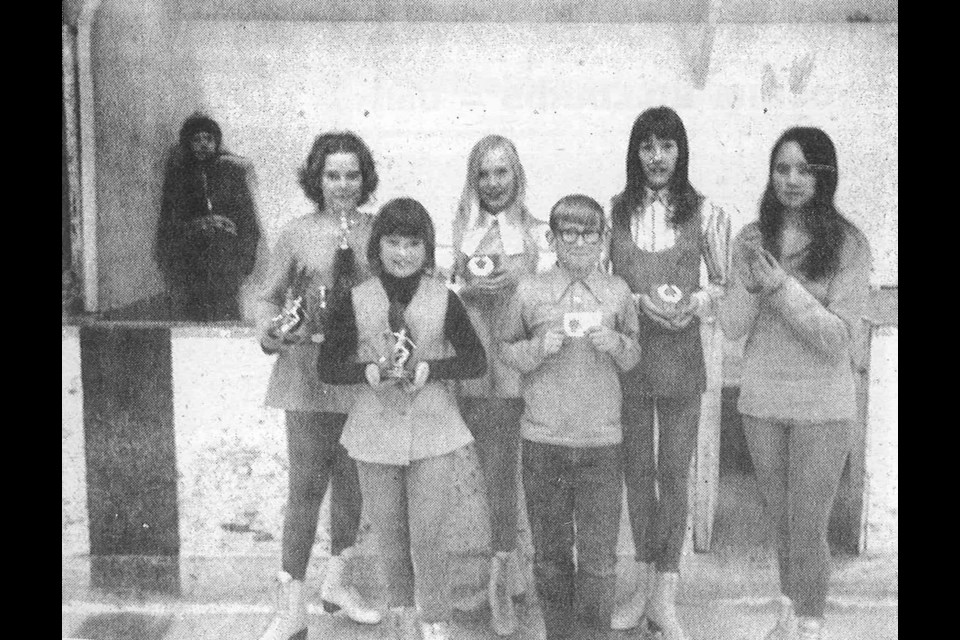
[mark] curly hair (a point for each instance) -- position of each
(311, 173)
(820, 219)
(664, 123)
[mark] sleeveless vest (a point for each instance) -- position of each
(671, 363)
(390, 425)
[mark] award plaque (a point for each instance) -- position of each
(576, 324)
(667, 296)
(482, 266)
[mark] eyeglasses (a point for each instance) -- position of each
(589, 236)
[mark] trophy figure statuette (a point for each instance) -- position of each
(400, 349)
(303, 313)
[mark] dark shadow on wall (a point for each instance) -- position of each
(146, 81)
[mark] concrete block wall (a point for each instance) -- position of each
(231, 462)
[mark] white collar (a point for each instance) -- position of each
(511, 234)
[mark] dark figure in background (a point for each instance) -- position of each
(208, 230)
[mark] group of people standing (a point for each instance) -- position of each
(386, 371)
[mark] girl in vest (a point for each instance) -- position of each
(405, 334)
(798, 292)
(664, 234)
(316, 257)
(495, 240)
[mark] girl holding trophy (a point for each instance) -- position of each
(664, 234)
(405, 334)
(318, 257)
(495, 240)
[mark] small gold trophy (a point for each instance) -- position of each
(400, 347)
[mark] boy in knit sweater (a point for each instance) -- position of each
(570, 331)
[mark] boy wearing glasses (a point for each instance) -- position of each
(570, 331)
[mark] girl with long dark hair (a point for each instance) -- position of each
(664, 234)
(798, 292)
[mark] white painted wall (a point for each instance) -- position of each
(421, 94)
(883, 443)
(232, 463)
(75, 536)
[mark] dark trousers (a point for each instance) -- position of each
(573, 502)
(316, 458)
(657, 485)
(495, 425)
(798, 470)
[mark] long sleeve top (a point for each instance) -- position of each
(517, 248)
(804, 340)
(307, 243)
(193, 192)
(652, 230)
(573, 397)
(336, 363)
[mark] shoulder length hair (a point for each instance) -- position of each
(311, 173)
(820, 219)
(404, 217)
(664, 123)
(467, 215)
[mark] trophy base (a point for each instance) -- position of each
(395, 374)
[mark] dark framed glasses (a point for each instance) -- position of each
(589, 236)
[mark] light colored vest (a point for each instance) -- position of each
(390, 425)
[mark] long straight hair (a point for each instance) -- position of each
(821, 220)
(664, 123)
(467, 216)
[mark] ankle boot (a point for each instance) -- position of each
(809, 628)
(503, 615)
(436, 631)
(337, 596)
(786, 626)
(628, 615)
(661, 613)
(290, 621)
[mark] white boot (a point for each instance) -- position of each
(290, 621)
(503, 615)
(809, 628)
(436, 631)
(662, 610)
(628, 615)
(786, 626)
(336, 595)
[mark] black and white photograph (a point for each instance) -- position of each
(469, 320)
